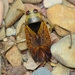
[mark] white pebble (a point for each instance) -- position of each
(10, 31)
(48, 3)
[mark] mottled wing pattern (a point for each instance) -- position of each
(43, 33)
(39, 44)
(30, 38)
(31, 41)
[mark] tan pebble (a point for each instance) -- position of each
(10, 20)
(14, 56)
(19, 25)
(63, 16)
(22, 46)
(2, 33)
(62, 53)
(30, 64)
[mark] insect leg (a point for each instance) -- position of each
(70, 35)
(21, 11)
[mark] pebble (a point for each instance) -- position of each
(61, 51)
(32, 1)
(2, 33)
(30, 64)
(63, 16)
(10, 31)
(10, 19)
(20, 32)
(19, 70)
(8, 43)
(49, 3)
(19, 26)
(61, 70)
(22, 46)
(14, 56)
(41, 71)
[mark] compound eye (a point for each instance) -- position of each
(28, 12)
(35, 11)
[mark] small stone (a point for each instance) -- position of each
(21, 39)
(2, 33)
(49, 3)
(61, 51)
(8, 43)
(41, 71)
(14, 56)
(63, 16)
(30, 64)
(19, 26)
(10, 31)
(20, 30)
(22, 46)
(19, 70)
(10, 19)
(32, 1)
(20, 33)
(61, 70)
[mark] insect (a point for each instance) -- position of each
(37, 36)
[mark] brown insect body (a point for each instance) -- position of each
(37, 37)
